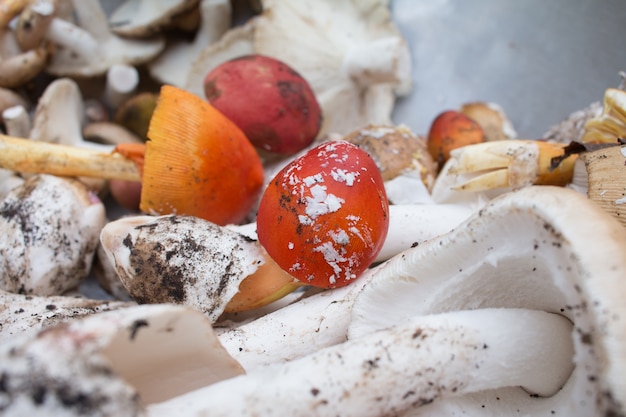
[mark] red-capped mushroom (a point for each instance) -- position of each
(273, 104)
(452, 129)
(325, 216)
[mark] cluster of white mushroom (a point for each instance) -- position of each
(487, 303)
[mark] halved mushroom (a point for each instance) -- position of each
(112, 364)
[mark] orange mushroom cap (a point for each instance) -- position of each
(197, 162)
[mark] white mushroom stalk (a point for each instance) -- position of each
(529, 249)
(411, 364)
(50, 228)
(111, 364)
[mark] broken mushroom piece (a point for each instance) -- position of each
(50, 228)
(605, 170)
(491, 118)
(90, 48)
(529, 250)
(27, 313)
(402, 158)
(112, 363)
(190, 261)
(610, 124)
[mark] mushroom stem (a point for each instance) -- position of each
(68, 35)
(385, 60)
(23, 155)
(17, 121)
(121, 82)
(404, 367)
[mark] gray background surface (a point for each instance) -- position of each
(539, 59)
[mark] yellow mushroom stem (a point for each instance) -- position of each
(23, 155)
(510, 163)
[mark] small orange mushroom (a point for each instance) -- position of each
(452, 129)
(197, 162)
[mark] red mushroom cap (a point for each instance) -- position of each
(325, 216)
(272, 103)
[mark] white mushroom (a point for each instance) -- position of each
(111, 364)
(529, 249)
(173, 65)
(390, 371)
(59, 116)
(90, 48)
(50, 228)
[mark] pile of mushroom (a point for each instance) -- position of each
(404, 279)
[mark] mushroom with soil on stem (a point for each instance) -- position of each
(197, 162)
(50, 228)
(472, 322)
(112, 363)
(190, 261)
